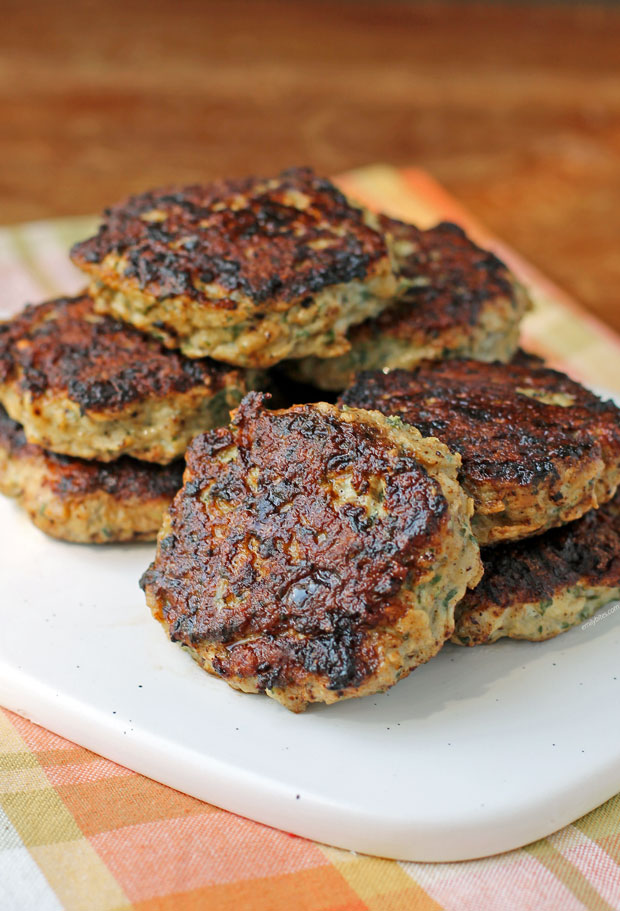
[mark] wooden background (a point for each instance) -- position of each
(516, 109)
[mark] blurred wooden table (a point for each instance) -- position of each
(515, 109)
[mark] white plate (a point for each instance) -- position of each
(479, 751)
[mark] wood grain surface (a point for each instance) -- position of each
(516, 109)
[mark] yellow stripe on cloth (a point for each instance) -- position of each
(382, 884)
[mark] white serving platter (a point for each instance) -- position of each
(480, 751)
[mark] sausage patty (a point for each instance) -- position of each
(538, 449)
(539, 588)
(86, 385)
(85, 502)
(313, 553)
(247, 271)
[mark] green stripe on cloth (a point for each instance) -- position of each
(569, 875)
(603, 827)
(17, 761)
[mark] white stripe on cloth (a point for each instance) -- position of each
(18, 285)
(512, 882)
(46, 242)
(22, 884)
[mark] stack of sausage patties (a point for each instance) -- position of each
(193, 292)
(317, 551)
(95, 417)
(320, 552)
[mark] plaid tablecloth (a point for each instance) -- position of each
(81, 833)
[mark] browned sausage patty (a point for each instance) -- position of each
(461, 301)
(539, 588)
(313, 554)
(86, 502)
(247, 271)
(538, 449)
(89, 386)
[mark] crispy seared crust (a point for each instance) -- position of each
(538, 449)
(247, 271)
(85, 502)
(314, 554)
(462, 301)
(539, 588)
(88, 386)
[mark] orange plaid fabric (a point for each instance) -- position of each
(81, 833)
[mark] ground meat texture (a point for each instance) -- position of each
(537, 449)
(312, 553)
(539, 588)
(85, 502)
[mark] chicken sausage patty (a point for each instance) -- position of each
(538, 449)
(86, 385)
(539, 588)
(85, 502)
(313, 553)
(247, 271)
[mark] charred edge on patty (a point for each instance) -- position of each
(449, 270)
(123, 479)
